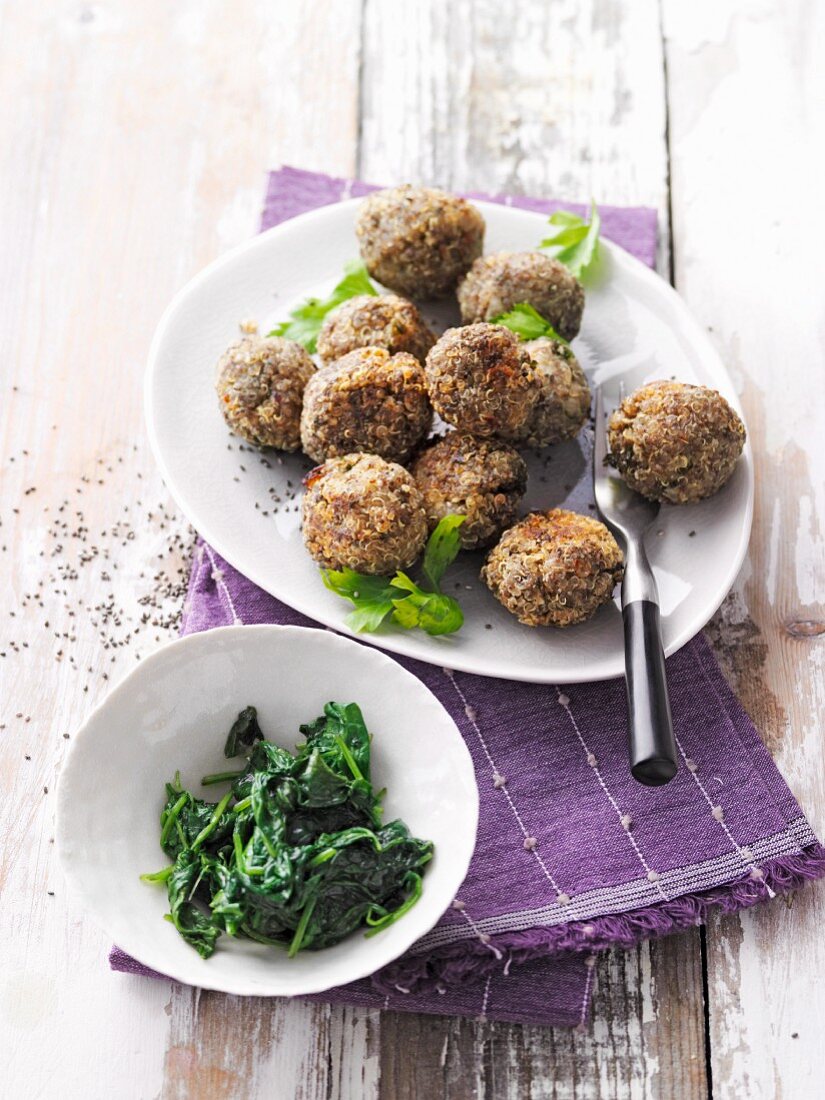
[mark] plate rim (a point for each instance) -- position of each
(395, 644)
(67, 860)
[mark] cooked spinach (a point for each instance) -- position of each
(244, 733)
(295, 854)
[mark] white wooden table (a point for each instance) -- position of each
(134, 140)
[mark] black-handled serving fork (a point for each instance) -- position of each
(653, 757)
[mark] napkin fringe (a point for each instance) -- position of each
(471, 960)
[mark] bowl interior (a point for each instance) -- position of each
(172, 713)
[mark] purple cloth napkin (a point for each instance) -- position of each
(573, 856)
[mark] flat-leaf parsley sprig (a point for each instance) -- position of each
(400, 599)
(576, 244)
(306, 320)
(528, 324)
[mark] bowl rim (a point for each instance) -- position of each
(67, 860)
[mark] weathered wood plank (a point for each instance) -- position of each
(646, 1041)
(564, 100)
(134, 140)
(227, 1047)
(748, 220)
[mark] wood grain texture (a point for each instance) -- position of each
(645, 1041)
(748, 221)
(225, 1048)
(564, 99)
(134, 140)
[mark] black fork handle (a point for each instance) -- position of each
(653, 757)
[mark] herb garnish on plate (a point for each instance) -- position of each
(528, 324)
(399, 599)
(306, 320)
(576, 244)
(296, 854)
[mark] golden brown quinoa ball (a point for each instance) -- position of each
(482, 479)
(377, 321)
(418, 241)
(481, 380)
(496, 283)
(563, 403)
(260, 386)
(363, 513)
(370, 401)
(675, 442)
(554, 568)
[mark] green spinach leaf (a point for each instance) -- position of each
(244, 733)
(295, 855)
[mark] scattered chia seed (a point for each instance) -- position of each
(81, 623)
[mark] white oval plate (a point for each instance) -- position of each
(636, 328)
(173, 712)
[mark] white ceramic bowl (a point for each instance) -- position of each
(636, 328)
(173, 711)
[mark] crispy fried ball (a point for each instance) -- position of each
(382, 321)
(481, 380)
(482, 479)
(260, 387)
(496, 283)
(554, 568)
(363, 513)
(675, 442)
(368, 401)
(564, 400)
(418, 241)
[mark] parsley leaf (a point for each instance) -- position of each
(527, 323)
(433, 612)
(577, 241)
(372, 597)
(306, 320)
(441, 550)
(376, 599)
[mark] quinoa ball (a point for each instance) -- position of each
(378, 321)
(563, 404)
(675, 442)
(496, 283)
(260, 387)
(363, 513)
(482, 479)
(418, 241)
(481, 380)
(554, 568)
(370, 401)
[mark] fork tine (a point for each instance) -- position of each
(621, 390)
